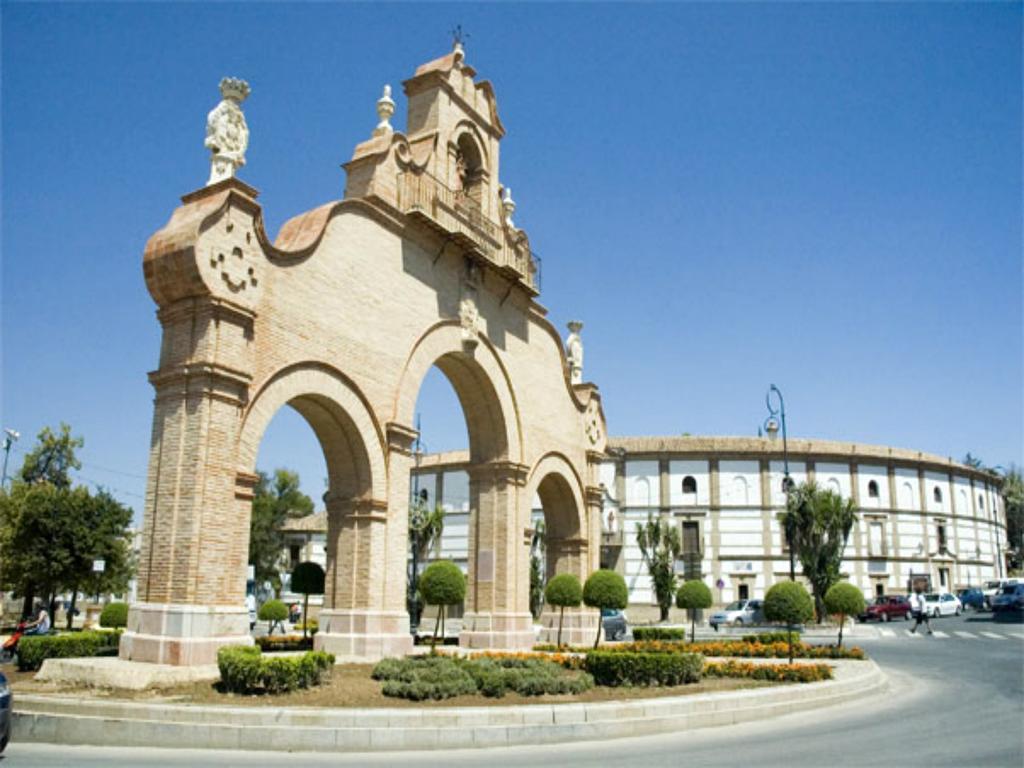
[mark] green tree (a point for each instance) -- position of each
(274, 501)
(426, 526)
(537, 569)
(693, 596)
(820, 522)
(1013, 503)
(788, 602)
(660, 546)
(442, 584)
(53, 457)
(308, 579)
(605, 590)
(972, 461)
(564, 590)
(842, 600)
(273, 612)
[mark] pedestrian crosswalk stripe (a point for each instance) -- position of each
(886, 632)
(993, 635)
(1016, 634)
(911, 634)
(939, 633)
(968, 635)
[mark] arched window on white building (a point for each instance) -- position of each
(937, 495)
(906, 496)
(872, 490)
(642, 492)
(740, 493)
(833, 485)
(690, 484)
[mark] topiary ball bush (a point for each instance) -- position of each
(308, 579)
(273, 610)
(564, 591)
(605, 589)
(114, 615)
(442, 583)
(692, 595)
(788, 603)
(844, 599)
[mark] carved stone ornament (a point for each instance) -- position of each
(574, 351)
(227, 135)
(231, 256)
(469, 315)
(592, 423)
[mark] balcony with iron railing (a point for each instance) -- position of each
(458, 215)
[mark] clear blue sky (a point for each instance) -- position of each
(824, 196)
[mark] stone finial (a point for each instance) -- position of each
(574, 351)
(508, 205)
(385, 109)
(227, 135)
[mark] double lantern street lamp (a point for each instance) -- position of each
(777, 417)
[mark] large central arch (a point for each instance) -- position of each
(341, 318)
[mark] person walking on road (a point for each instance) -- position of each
(919, 609)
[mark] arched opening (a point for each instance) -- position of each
(469, 172)
(872, 490)
(690, 485)
(937, 495)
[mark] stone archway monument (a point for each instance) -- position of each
(341, 317)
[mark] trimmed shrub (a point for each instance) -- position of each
(273, 612)
(766, 638)
(114, 616)
(563, 590)
(641, 634)
(788, 602)
(442, 584)
(285, 643)
(740, 649)
(844, 599)
(605, 590)
(692, 596)
(243, 669)
(614, 668)
(787, 673)
(34, 650)
(442, 677)
(307, 579)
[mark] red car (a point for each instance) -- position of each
(887, 608)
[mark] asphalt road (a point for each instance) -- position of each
(956, 700)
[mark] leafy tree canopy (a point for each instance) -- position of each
(660, 545)
(275, 500)
(53, 458)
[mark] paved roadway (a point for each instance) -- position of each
(957, 700)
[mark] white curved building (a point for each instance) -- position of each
(917, 513)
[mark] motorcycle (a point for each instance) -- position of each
(10, 646)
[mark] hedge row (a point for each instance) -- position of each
(284, 643)
(442, 677)
(795, 673)
(741, 649)
(612, 668)
(34, 650)
(771, 637)
(243, 669)
(659, 633)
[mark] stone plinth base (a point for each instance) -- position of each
(182, 635)
(118, 674)
(578, 627)
(511, 631)
(363, 635)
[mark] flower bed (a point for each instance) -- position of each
(786, 673)
(243, 669)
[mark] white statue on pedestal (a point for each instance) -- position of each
(469, 314)
(227, 135)
(574, 351)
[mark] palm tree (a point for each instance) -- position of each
(660, 545)
(426, 527)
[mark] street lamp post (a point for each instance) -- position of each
(777, 417)
(10, 438)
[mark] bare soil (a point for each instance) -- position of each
(352, 686)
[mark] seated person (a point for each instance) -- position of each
(41, 624)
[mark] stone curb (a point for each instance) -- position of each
(66, 720)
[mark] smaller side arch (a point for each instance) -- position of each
(557, 482)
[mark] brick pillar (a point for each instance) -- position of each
(195, 541)
(497, 598)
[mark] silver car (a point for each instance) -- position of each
(738, 613)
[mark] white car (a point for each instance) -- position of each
(942, 604)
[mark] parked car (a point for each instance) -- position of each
(6, 698)
(972, 598)
(887, 608)
(994, 587)
(942, 604)
(1011, 598)
(738, 613)
(614, 624)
